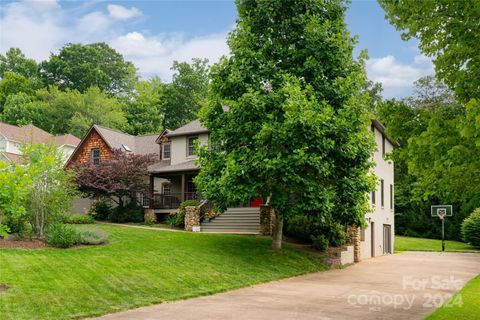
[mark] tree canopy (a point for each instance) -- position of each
(183, 98)
(287, 117)
(449, 31)
(80, 67)
(15, 61)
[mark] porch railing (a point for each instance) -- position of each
(172, 200)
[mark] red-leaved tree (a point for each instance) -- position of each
(118, 179)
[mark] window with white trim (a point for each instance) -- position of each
(191, 145)
(166, 151)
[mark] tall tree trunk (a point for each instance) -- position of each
(277, 232)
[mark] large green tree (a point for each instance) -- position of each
(80, 67)
(15, 61)
(437, 161)
(287, 115)
(143, 107)
(183, 98)
(62, 112)
(449, 31)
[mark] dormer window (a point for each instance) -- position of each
(166, 151)
(191, 145)
(95, 156)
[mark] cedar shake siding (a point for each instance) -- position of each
(92, 141)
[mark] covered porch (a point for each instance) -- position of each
(169, 190)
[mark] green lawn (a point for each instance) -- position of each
(421, 244)
(464, 305)
(138, 267)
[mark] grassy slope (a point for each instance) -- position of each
(464, 305)
(421, 244)
(138, 267)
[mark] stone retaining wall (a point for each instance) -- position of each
(192, 217)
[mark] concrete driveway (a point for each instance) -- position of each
(409, 286)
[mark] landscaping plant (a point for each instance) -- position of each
(471, 228)
(77, 219)
(178, 219)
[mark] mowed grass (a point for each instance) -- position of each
(464, 305)
(422, 244)
(138, 267)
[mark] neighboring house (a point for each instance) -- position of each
(12, 137)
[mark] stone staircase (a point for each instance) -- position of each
(234, 220)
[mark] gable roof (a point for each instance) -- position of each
(381, 128)
(11, 157)
(193, 127)
(32, 134)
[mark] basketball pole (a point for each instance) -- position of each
(443, 234)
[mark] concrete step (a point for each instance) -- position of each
(243, 218)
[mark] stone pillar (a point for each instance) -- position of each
(150, 216)
(353, 238)
(266, 220)
(192, 217)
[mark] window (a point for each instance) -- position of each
(191, 145)
(391, 197)
(373, 197)
(166, 151)
(382, 193)
(166, 189)
(95, 156)
(383, 144)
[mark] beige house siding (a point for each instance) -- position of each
(381, 215)
(179, 148)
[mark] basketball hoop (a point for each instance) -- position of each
(442, 211)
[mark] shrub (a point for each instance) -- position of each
(132, 212)
(4, 230)
(179, 217)
(471, 228)
(62, 235)
(16, 225)
(336, 235)
(77, 219)
(100, 210)
(320, 242)
(91, 235)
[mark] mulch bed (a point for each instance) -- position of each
(25, 244)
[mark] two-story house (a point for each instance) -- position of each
(13, 137)
(172, 182)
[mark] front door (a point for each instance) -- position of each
(387, 239)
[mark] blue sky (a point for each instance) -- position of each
(153, 34)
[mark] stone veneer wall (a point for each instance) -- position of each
(192, 217)
(150, 215)
(267, 215)
(353, 238)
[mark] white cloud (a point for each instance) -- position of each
(122, 13)
(154, 55)
(41, 27)
(397, 78)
